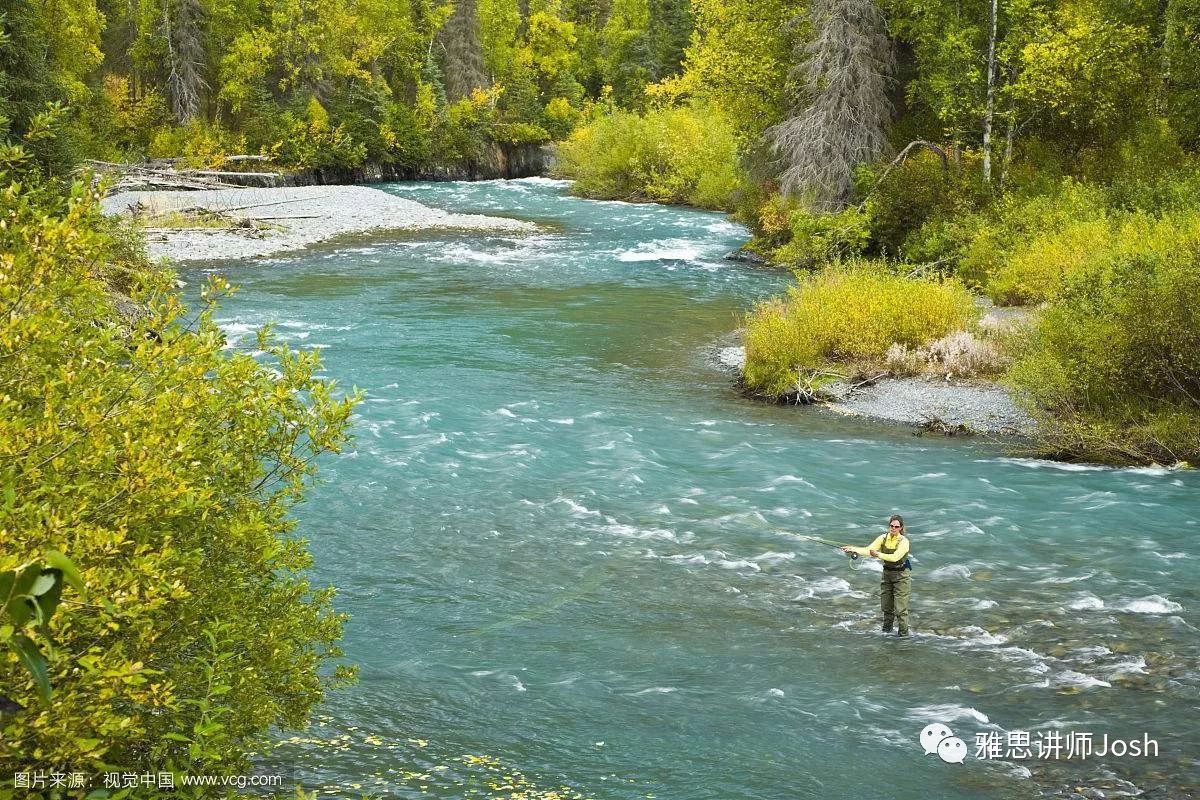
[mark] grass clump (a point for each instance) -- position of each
(679, 154)
(850, 315)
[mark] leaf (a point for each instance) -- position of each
(19, 608)
(69, 571)
(47, 603)
(34, 662)
(44, 582)
(6, 583)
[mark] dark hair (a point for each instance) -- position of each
(900, 519)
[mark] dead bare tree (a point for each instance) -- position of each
(845, 70)
(461, 52)
(183, 29)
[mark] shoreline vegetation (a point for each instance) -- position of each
(1074, 210)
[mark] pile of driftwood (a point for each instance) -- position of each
(167, 174)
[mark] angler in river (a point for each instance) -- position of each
(895, 588)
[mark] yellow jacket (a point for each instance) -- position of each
(899, 541)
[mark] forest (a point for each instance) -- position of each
(906, 158)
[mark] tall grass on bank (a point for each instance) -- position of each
(846, 314)
(681, 154)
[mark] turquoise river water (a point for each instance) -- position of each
(569, 546)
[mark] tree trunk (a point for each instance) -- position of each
(845, 69)
(991, 98)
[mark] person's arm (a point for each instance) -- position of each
(892, 558)
(865, 551)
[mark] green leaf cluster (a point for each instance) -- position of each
(684, 154)
(166, 466)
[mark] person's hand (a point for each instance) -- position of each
(874, 553)
(847, 550)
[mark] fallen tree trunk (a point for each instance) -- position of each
(212, 173)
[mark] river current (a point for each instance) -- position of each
(574, 556)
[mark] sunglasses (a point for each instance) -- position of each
(894, 525)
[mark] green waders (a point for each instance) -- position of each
(894, 591)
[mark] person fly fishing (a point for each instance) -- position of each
(892, 548)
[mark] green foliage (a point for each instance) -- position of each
(820, 238)
(311, 141)
(685, 154)
(846, 315)
(997, 250)
(198, 143)
(29, 595)
(1113, 370)
(166, 466)
(738, 61)
(461, 133)
(909, 206)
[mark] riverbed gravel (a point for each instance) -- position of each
(297, 217)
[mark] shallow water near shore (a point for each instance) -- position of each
(569, 546)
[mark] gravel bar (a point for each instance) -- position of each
(301, 216)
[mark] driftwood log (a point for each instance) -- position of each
(165, 174)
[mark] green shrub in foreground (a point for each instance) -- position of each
(845, 314)
(164, 467)
(1113, 370)
(683, 154)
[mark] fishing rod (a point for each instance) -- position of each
(836, 545)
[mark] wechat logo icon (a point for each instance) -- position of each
(938, 738)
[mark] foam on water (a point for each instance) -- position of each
(947, 713)
(950, 572)
(1086, 602)
(1151, 604)
(1078, 679)
(663, 250)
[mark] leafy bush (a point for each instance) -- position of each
(518, 133)
(165, 468)
(818, 238)
(679, 154)
(560, 117)
(405, 135)
(1113, 370)
(1019, 250)
(115, 123)
(311, 141)
(919, 193)
(461, 133)
(849, 315)
(198, 143)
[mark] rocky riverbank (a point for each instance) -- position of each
(943, 405)
(253, 223)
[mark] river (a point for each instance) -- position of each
(568, 544)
